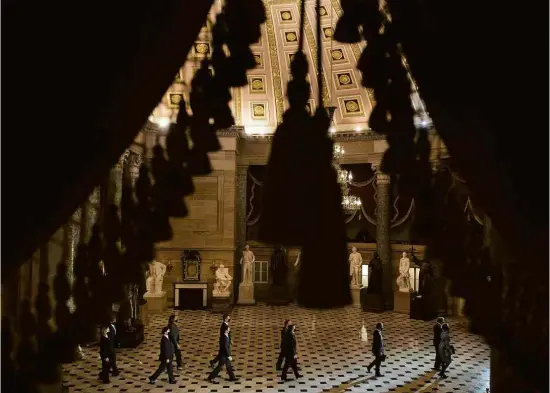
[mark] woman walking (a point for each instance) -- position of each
(445, 349)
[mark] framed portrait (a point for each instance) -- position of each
(191, 266)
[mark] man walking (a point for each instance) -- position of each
(377, 349)
(175, 339)
(436, 341)
(165, 358)
(291, 356)
(223, 327)
(224, 358)
(281, 348)
(114, 344)
(106, 354)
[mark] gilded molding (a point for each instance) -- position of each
(275, 71)
(238, 106)
(338, 8)
(313, 49)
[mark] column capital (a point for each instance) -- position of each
(381, 177)
(242, 170)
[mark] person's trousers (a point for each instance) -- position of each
(221, 362)
(104, 374)
(290, 362)
(164, 366)
(280, 360)
(376, 363)
(443, 367)
(112, 363)
(437, 358)
(178, 357)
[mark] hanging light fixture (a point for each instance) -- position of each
(350, 203)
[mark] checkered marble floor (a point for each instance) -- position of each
(332, 356)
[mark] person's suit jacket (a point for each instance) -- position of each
(283, 335)
(225, 346)
(105, 349)
(113, 336)
(377, 343)
(174, 335)
(166, 349)
(437, 334)
(289, 345)
(222, 328)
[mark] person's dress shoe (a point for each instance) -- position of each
(211, 380)
(151, 381)
(379, 375)
(115, 373)
(172, 381)
(212, 365)
(233, 379)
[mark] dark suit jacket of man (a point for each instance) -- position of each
(377, 343)
(105, 349)
(289, 345)
(174, 335)
(112, 336)
(283, 335)
(437, 334)
(225, 346)
(166, 349)
(223, 326)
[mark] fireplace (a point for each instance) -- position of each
(190, 296)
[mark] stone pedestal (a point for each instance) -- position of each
(246, 294)
(402, 302)
(355, 296)
(156, 302)
(372, 302)
(279, 295)
(221, 304)
(422, 307)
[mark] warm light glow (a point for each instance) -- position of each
(163, 122)
(332, 129)
(358, 129)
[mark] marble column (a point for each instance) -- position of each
(240, 224)
(383, 232)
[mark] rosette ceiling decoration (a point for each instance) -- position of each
(259, 106)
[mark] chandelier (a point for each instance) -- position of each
(350, 203)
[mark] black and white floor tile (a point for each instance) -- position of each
(332, 356)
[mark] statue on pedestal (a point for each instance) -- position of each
(375, 275)
(223, 282)
(426, 279)
(248, 258)
(355, 262)
(404, 279)
(155, 276)
(279, 268)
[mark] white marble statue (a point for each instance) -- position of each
(155, 276)
(355, 262)
(223, 282)
(404, 279)
(248, 258)
(298, 258)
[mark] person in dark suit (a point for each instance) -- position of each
(377, 349)
(224, 358)
(165, 357)
(175, 339)
(436, 341)
(114, 344)
(225, 324)
(106, 354)
(290, 354)
(281, 348)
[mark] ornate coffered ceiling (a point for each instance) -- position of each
(259, 106)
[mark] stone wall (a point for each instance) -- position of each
(210, 226)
